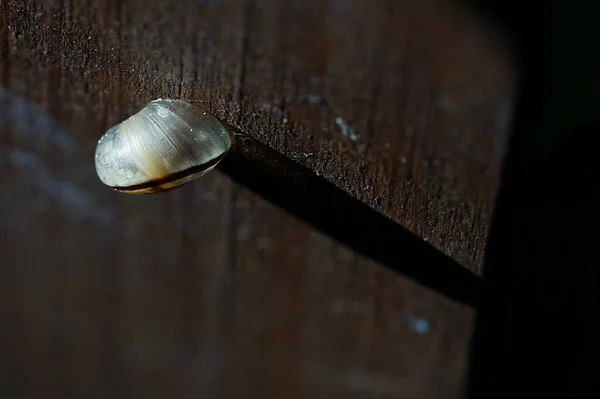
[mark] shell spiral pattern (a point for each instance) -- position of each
(166, 144)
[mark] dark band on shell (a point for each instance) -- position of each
(166, 144)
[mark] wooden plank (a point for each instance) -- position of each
(204, 291)
(331, 210)
(425, 90)
(211, 290)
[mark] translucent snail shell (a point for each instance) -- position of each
(166, 144)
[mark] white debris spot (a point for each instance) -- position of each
(163, 113)
(403, 160)
(275, 111)
(304, 155)
(346, 130)
(419, 325)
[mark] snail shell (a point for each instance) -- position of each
(166, 144)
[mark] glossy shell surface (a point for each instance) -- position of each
(166, 144)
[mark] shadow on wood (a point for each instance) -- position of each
(301, 192)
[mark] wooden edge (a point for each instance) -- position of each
(347, 220)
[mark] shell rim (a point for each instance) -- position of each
(157, 183)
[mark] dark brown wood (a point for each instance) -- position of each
(425, 88)
(331, 210)
(210, 290)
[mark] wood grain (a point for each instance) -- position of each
(210, 290)
(426, 90)
(204, 291)
(306, 195)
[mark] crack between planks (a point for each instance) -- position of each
(311, 198)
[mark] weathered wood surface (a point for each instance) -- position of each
(426, 90)
(209, 290)
(306, 195)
